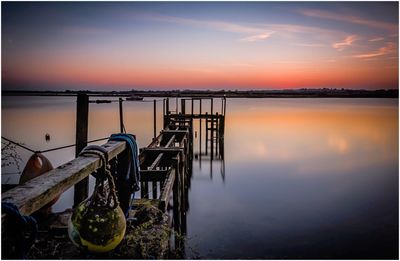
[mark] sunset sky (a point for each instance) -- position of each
(199, 45)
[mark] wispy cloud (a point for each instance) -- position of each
(310, 44)
(389, 48)
(255, 38)
(349, 18)
(293, 62)
(348, 41)
(86, 30)
(254, 33)
(376, 39)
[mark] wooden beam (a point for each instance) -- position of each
(175, 131)
(165, 150)
(170, 142)
(153, 175)
(166, 191)
(156, 161)
(194, 116)
(39, 191)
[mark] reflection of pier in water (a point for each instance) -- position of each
(210, 147)
(166, 164)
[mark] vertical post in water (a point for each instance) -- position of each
(212, 106)
(183, 103)
(192, 106)
(206, 133)
(216, 134)
(224, 106)
(166, 115)
(163, 107)
(155, 119)
(121, 116)
(167, 106)
(200, 119)
(81, 189)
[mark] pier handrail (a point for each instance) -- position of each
(39, 191)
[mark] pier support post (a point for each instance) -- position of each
(166, 115)
(183, 103)
(155, 119)
(121, 116)
(81, 189)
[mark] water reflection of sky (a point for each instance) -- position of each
(304, 178)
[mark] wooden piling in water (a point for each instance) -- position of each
(121, 116)
(154, 119)
(81, 189)
(183, 103)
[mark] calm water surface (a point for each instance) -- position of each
(301, 178)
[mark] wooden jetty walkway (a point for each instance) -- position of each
(165, 164)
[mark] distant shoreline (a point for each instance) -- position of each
(298, 93)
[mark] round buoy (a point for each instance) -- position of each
(98, 224)
(96, 229)
(36, 166)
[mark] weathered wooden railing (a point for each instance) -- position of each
(157, 163)
(39, 191)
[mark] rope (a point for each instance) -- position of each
(53, 149)
(22, 146)
(102, 175)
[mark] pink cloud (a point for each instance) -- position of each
(376, 39)
(348, 41)
(310, 44)
(389, 48)
(255, 38)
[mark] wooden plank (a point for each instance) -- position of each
(39, 191)
(153, 175)
(182, 132)
(165, 150)
(194, 116)
(166, 190)
(156, 161)
(156, 141)
(170, 142)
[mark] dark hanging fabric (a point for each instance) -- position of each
(126, 170)
(18, 232)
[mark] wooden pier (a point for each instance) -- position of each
(165, 164)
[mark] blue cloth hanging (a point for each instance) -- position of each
(133, 173)
(19, 223)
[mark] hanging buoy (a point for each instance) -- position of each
(98, 224)
(96, 229)
(37, 165)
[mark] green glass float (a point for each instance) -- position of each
(98, 224)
